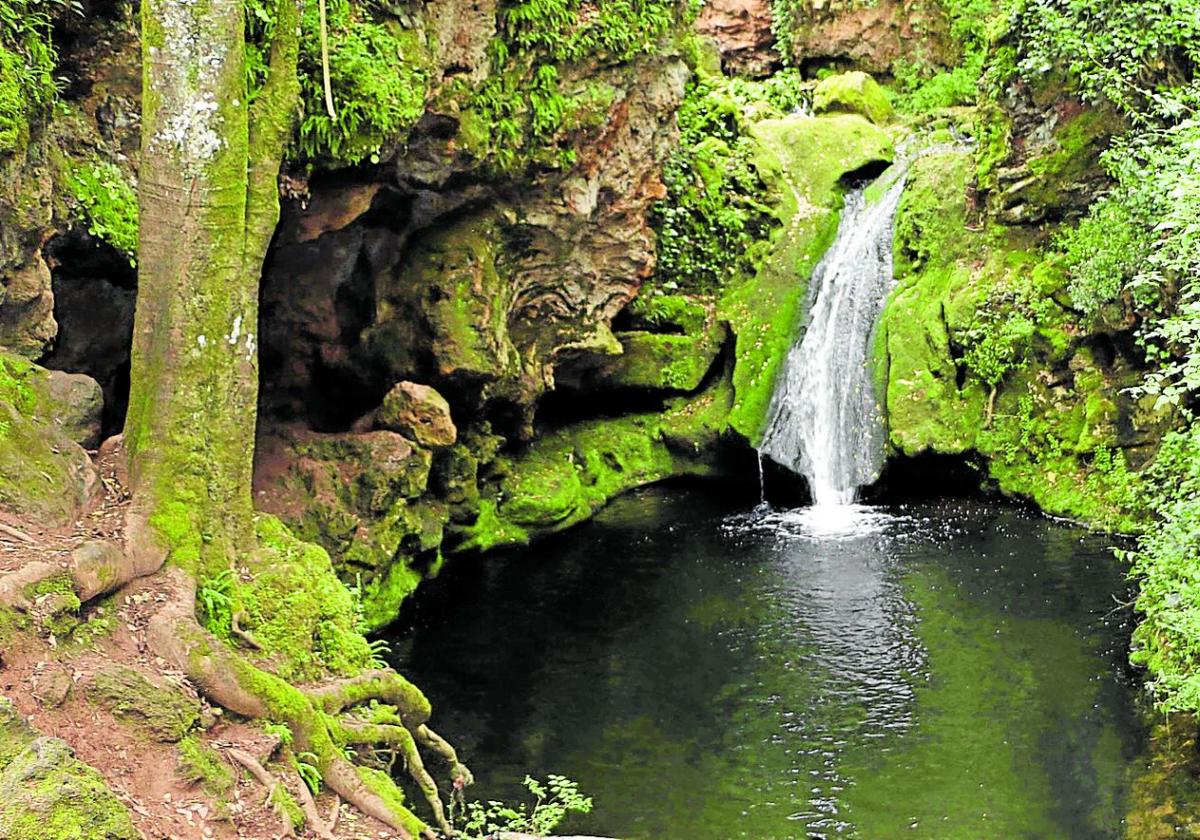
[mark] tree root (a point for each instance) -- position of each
(313, 714)
(265, 778)
(96, 568)
(227, 679)
(312, 817)
(244, 635)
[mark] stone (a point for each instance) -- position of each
(46, 792)
(78, 405)
(852, 93)
(163, 712)
(43, 474)
(419, 413)
(867, 35)
(27, 322)
(51, 684)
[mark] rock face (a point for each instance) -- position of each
(476, 287)
(866, 35)
(741, 29)
(1043, 154)
(1061, 427)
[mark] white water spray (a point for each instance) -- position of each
(825, 421)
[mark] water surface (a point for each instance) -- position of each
(951, 670)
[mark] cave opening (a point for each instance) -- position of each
(95, 292)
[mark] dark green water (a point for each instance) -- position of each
(947, 671)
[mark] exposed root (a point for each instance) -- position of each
(96, 568)
(265, 778)
(991, 408)
(244, 635)
(230, 681)
(402, 742)
(312, 817)
(10, 531)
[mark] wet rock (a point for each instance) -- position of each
(852, 93)
(419, 413)
(163, 712)
(741, 30)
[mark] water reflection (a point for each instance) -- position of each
(940, 672)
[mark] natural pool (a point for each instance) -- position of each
(953, 669)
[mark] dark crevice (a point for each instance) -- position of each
(95, 293)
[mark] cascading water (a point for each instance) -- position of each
(825, 421)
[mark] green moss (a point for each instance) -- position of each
(200, 764)
(567, 474)
(976, 310)
(298, 610)
(806, 158)
(45, 792)
(27, 64)
(852, 93)
(41, 472)
(655, 362)
(107, 202)
(161, 712)
(381, 784)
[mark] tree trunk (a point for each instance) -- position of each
(209, 204)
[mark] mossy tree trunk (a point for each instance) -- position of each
(209, 204)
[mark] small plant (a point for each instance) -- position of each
(309, 772)
(554, 800)
(380, 650)
(108, 202)
(216, 602)
(280, 730)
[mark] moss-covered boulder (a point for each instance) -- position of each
(45, 792)
(567, 474)
(162, 712)
(806, 157)
(362, 497)
(43, 472)
(852, 93)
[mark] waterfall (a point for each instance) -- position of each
(825, 421)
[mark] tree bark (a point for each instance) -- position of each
(209, 204)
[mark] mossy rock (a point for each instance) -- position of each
(852, 93)
(45, 792)
(568, 474)
(43, 473)
(162, 712)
